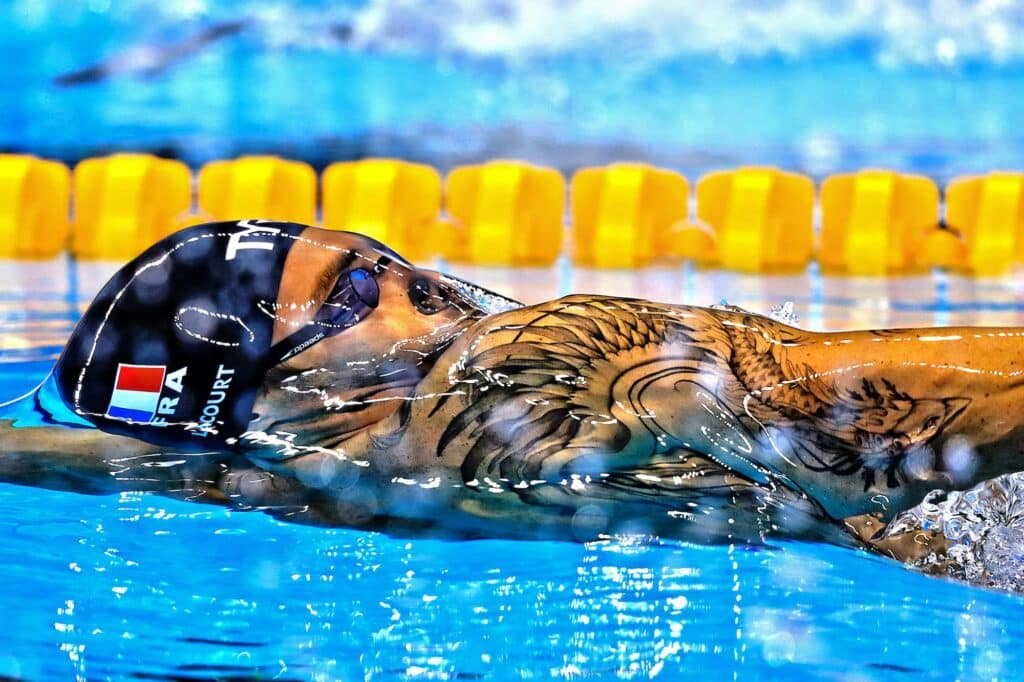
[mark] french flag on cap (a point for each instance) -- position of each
(136, 392)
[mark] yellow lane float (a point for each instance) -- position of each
(258, 187)
(985, 219)
(392, 201)
(126, 202)
(33, 206)
(626, 215)
(504, 213)
(875, 221)
(761, 218)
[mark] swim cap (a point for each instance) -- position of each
(173, 349)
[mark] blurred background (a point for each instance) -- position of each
(816, 86)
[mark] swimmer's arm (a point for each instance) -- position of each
(90, 461)
(946, 408)
(864, 422)
(868, 422)
(859, 421)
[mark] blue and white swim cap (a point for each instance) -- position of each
(173, 349)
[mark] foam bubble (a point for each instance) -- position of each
(589, 522)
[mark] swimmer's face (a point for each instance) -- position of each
(366, 299)
(384, 321)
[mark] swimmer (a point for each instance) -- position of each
(151, 60)
(319, 377)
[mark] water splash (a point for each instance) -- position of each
(784, 313)
(488, 301)
(983, 528)
(723, 304)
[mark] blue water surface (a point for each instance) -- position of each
(141, 587)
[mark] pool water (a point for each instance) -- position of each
(140, 587)
(137, 586)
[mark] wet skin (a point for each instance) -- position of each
(579, 417)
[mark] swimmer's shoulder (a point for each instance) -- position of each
(617, 318)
